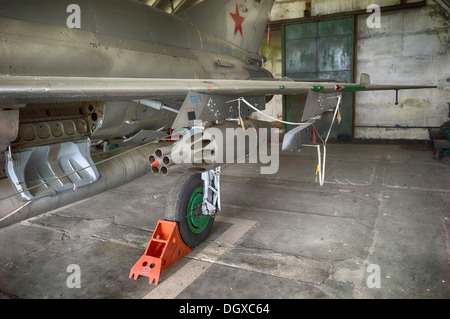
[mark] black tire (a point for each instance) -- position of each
(183, 192)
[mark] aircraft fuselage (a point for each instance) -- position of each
(114, 39)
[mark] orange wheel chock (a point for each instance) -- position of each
(165, 248)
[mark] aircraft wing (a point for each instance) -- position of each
(20, 90)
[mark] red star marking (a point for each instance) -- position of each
(238, 19)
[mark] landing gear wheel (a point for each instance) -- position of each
(184, 205)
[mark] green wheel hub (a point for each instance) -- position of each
(196, 221)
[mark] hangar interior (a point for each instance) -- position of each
(378, 228)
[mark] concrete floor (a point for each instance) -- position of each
(378, 228)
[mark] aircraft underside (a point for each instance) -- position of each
(57, 150)
(84, 110)
(65, 152)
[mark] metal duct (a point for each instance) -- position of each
(116, 171)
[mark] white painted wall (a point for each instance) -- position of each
(287, 9)
(411, 47)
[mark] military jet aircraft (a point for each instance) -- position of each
(79, 75)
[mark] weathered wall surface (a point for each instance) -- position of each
(322, 7)
(411, 47)
(287, 9)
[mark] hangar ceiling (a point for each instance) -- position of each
(170, 6)
(177, 6)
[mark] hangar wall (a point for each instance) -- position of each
(410, 47)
